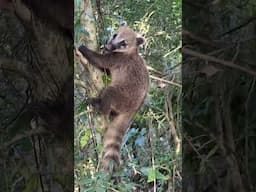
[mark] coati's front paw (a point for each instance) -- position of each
(94, 102)
(90, 100)
(83, 49)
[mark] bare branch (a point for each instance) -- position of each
(216, 60)
(166, 81)
(22, 136)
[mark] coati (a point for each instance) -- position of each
(126, 92)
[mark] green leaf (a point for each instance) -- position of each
(85, 138)
(106, 79)
(153, 174)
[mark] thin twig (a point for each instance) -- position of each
(166, 81)
(169, 116)
(247, 22)
(22, 136)
(154, 70)
(197, 38)
(216, 60)
(246, 131)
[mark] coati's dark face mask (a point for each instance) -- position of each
(114, 44)
(125, 40)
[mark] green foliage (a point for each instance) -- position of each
(153, 174)
(101, 181)
(85, 138)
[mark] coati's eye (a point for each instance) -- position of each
(114, 36)
(123, 43)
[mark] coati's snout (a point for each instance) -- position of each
(114, 45)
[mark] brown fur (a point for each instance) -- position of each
(126, 92)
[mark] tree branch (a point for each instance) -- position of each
(166, 81)
(216, 60)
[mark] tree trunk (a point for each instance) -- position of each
(88, 82)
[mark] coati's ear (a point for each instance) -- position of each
(123, 23)
(140, 40)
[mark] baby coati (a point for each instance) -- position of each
(126, 92)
